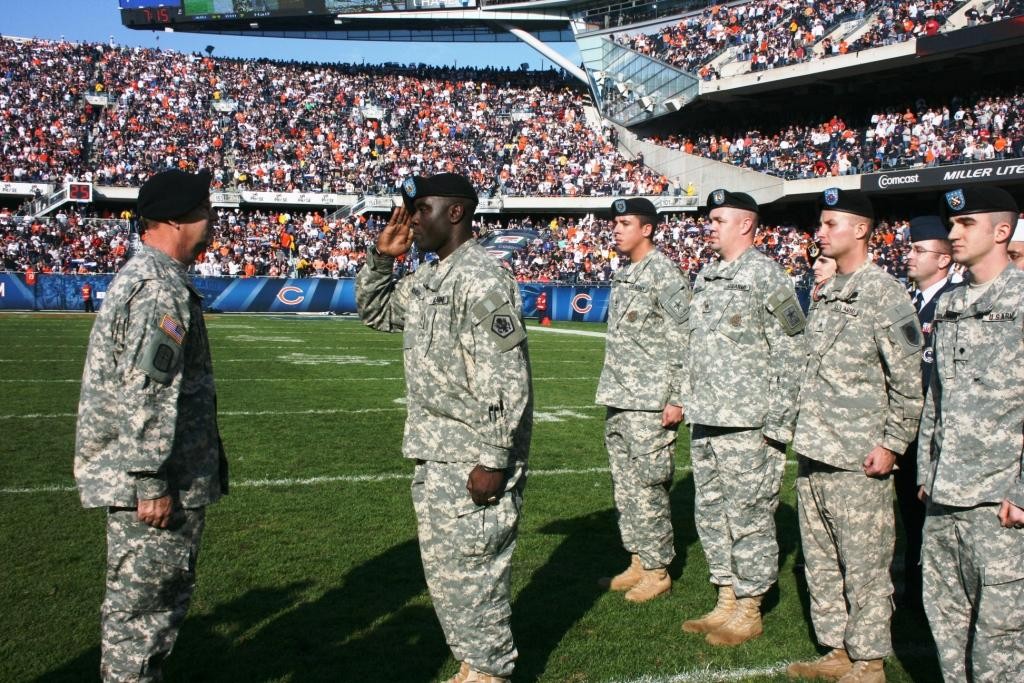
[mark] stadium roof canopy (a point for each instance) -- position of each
(402, 20)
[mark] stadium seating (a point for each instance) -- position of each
(727, 40)
(277, 126)
(279, 243)
(921, 134)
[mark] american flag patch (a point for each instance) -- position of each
(173, 329)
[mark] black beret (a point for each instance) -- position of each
(440, 185)
(172, 194)
(928, 228)
(634, 206)
(847, 201)
(735, 200)
(976, 199)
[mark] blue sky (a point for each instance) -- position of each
(98, 20)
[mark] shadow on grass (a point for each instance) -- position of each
(362, 630)
(591, 549)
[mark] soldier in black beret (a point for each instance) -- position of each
(147, 446)
(970, 445)
(858, 411)
(470, 411)
(641, 385)
(746, 346)
(928, 266)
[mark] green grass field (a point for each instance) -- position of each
(310, 570)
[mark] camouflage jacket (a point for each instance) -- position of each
(646, 347)
(147, 417)
(971, 447)
(746, 346)
(467, 366)
(861, 387)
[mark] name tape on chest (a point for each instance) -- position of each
(845, 309)
(1000, 316)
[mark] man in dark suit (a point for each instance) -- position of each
(928, 268)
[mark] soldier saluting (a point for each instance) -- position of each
(470, 403)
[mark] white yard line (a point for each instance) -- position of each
(310, 411)
(557, 330)
(710, 675)
(351, 479)
(313, 481)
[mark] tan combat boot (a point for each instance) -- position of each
(865, 671)
(479, 677)
(652, 583)
(627, 579)
(743, 625)
(832, 666)
(461, 676)
(716, 617)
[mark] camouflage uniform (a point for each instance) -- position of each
(969, 461)
(147, 427)
(861, 389)
(644, 370)
(746, 350)
(470, 402)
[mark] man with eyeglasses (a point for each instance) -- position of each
(928, 265)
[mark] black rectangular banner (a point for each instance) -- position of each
(936, 177)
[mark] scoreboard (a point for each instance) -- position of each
(167, 13)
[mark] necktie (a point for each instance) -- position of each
(918, 301)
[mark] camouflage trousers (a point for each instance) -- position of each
(641, 457)
(150, 580)
(467, 560)
(736, 477)
(848, 533)
(974, 593)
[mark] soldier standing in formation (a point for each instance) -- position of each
(970, 450)
(928, 267)
(147, 445)
(470, 412)
(745, 354)
(859, 405)
(643, 385)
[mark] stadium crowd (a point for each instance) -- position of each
(774, 33)
(278, 243)
(276, 126)
(982, 128)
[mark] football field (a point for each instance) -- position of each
(309, 569)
